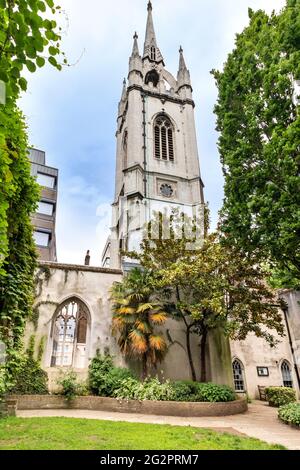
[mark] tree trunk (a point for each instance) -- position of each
(203, 356)
(145, 368)
(189, 352)
(188, 340)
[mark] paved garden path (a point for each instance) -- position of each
(259, 421)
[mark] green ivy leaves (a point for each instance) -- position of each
(27, 39)
(25, 35)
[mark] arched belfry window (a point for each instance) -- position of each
(69, 334)
(238, 376)
(153, 53)
(152, 77)
(163, 138)
(286, 374)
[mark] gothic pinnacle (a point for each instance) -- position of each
(182, 65)
(183, 77)
(124, 91)
(135, 49)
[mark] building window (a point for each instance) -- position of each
(163, 139)
(152, 77)
(166, 190)
(46, 208)
(262, 371)
(238, 376)
(41, 238)
(153, 53)
(69, 329)
(286, 374)
(46, 180)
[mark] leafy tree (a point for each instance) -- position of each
(158, 253)
(259, 123)
(27, 36)
(136, 314)
(214, 287)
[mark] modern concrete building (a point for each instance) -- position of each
(45, 217)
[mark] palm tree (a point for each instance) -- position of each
(136, 313)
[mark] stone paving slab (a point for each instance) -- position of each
(260, 421)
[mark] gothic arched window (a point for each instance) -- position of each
(153, 53)
(69, 334)
(286, 374)
(152, 77)
(238, 376)
(163, 138)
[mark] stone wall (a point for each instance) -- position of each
(160, 408)
(255, 352)
(58, 282)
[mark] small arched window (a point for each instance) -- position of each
(286, 374)
(153, 53)
(163, 139)
(238, 376)
(69, 333)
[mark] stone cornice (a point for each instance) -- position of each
(135, 166)
(162, 96)
(78, 267)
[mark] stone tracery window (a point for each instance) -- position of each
(163, 139)
(69, 334)
(286, 374)
(238, 376)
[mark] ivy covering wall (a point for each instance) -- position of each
(27, 39)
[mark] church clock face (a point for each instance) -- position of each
(166, 190)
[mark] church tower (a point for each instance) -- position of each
(157, 162)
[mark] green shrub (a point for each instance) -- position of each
(69, 384)
(185, 390)
(279, 396)
(202, 392)
(112, 381)
(128, 389)
(104, 377)
(31, 379)
(150, 389)
(209, 392)
(99, 367)
(290, 414)
(153, 389)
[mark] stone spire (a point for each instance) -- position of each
(183, 76)
(124, 91)
(135, 49)
(123, 98)
(135, 64)
(151, 50)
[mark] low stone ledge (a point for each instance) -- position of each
(161, 408)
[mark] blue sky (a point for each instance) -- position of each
(72, 114)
